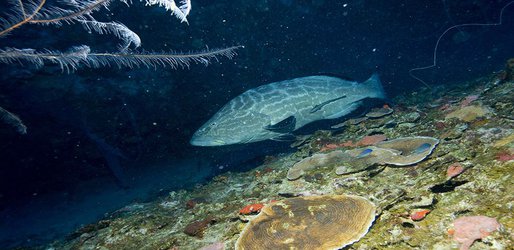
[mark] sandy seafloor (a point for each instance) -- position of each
(481, 142)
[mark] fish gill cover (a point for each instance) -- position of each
(99, 100)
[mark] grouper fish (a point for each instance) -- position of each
(274, 110)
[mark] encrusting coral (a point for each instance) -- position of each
(467, 229)
(399, 152)
(412, 149)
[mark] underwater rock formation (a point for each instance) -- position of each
(214, 246)
(415, 206)
(454, 170)
(380, 112)
(312, 222)
(509, 70)
(366, 141)
(198, 227)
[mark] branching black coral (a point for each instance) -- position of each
(81, 11)
(119, 30)
(81, 55)
(152, 59)
(13, 120)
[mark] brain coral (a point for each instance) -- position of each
(310, 222)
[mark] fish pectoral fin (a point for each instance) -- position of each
(284, 137)
(344, 111)
(321, 105)
(285, 126)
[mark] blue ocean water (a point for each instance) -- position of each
(99, 139)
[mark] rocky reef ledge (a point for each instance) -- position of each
(460, 194)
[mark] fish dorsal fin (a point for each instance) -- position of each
(343, 77)
(285, 126)
(319, 106)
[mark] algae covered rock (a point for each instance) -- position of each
(469, 113)
(379, 112)
(311, 222)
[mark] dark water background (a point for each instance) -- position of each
(59, 173)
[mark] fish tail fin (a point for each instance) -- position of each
(375, 87)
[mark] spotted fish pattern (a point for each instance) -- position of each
(274, 110)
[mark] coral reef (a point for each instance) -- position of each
(252, 208)
(469, 113)
(214, 246)
(399, 152)
(419, 214)
(198, 227)
(454, 170)
(409, 150)
(377, 113)
(311, 222)
(416, 205)
(366, 141)
(509, 70)
(467, 229)
(312, 162)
